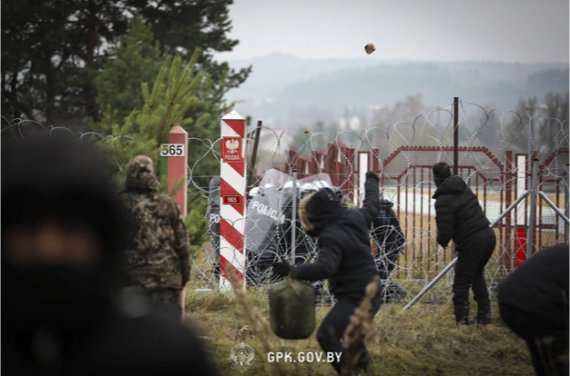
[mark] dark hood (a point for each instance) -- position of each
(140, 175)
(47, 179)
(56, 178)
(386, 204)
(452, 185)
(319, 209)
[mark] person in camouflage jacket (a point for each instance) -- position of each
(157, 256)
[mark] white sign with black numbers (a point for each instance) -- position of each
(172, 150)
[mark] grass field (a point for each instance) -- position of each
(421, 341)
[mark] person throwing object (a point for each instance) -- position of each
(459, 216)
(343, 257)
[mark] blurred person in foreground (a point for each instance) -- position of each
(344, 258)
(533, 301)
(157, 254)
(459, 216)
(62, 242)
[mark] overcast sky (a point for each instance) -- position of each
(450, 30)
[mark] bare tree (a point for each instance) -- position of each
(549, 121)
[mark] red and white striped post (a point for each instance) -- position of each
(232, 199)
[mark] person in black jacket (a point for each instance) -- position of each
(389, 241)
(63, 238)
(459, 216)
(533, 301)
(388, 234)
(344, 258)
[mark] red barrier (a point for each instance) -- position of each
(520, 246)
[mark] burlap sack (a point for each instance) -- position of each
(292, 309)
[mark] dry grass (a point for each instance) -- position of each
(421, 341)
(359, 330)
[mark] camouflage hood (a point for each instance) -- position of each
(140, 175)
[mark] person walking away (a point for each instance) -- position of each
(344, 258)
(533, 301)
(459, 216)
(157, 255)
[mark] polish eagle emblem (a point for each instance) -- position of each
(232, 145)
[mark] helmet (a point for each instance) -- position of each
(253, 192)
(322, 184)
(308, 188)
(289, 185)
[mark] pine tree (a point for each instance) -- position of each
(118, 85)
(168, 103)
(52, 51)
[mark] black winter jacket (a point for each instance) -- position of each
(386, 228)
(344, 256)
(458, 213)
(540, 286)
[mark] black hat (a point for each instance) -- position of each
(441, 171)
(320, 208)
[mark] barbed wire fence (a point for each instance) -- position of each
(492, 143)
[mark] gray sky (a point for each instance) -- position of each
(451, 30)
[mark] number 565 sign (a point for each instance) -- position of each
(172, 150)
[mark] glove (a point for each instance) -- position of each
(281, 269)
(372, 175)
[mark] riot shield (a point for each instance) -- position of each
(262, 225)
(303, 244)
(269, 223)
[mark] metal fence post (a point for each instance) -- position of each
(566, 206)
(455, 135)
(252, 175)
(294, 216)
(532, 208)
(508, 198)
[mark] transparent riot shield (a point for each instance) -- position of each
(304, 246)
(262, 225)
(269, 226)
